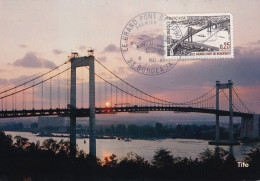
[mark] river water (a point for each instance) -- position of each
(146, 148)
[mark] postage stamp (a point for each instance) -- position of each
(198, 36)
(142, 44)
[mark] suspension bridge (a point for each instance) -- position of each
(191, 31)
(57, 93)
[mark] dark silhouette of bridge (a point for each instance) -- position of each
(84, 112)
(54, 93)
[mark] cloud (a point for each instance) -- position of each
(256, 43)
(22, 79)
(103, 59)
(57, 51)
(9, 83)
(23, 46)
(82, 47)
(31, 60)
(3, 81)
(188, 81)
(111, 48)
(121, 71)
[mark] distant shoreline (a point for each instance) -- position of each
(66, 135)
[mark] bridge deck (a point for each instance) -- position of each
(84, 112)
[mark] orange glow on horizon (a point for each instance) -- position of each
(107, 104)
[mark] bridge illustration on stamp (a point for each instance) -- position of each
(198, 36)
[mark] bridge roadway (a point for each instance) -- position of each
(84, 112)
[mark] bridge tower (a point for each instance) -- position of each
(250, 127)
(229, 86)
(80, 62)
(189, 34)
(209, 26)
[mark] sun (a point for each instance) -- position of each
(107, 104)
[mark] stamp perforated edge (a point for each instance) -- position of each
(213, 57)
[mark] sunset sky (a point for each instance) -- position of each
(39, 35)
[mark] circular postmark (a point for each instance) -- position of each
(142, 44)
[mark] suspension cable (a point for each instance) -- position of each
(32, 79)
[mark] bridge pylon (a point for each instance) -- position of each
(209, 26)
(80, 62)
(228, 86)
(190, 34)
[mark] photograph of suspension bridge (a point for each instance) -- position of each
(71, 108)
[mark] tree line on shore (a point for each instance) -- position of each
(51, 160)
(189, 131)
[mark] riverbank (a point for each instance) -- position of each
(51, 161)
(179, 147)
(143, 132)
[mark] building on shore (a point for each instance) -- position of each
(53, 122)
